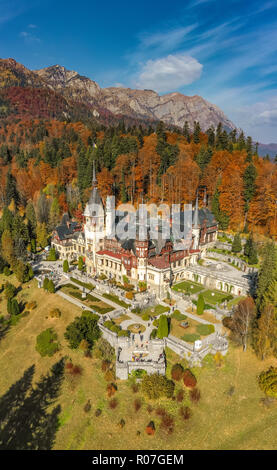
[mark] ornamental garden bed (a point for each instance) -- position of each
(194, 331)
(188, 287)
(116, 299)
(90, 301)
(87, 285)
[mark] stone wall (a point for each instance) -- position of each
(210, 344)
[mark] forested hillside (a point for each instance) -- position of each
(49, 163)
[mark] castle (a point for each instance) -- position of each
(141, 259)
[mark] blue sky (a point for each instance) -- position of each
(225, 51)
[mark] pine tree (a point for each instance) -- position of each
(54, 215)
(42, 235)
(186, 132)
(51, 287)
(203, 157)
(221, 216)
(211, 136)
(200, 305)
(45, 283)
(65, 266)
(267, 273)
(31, 218)
(196, 132)
(7, 247)
(80, 263)
(249, 179)
(236, 245)
(11, 189)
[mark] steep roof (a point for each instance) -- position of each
(65, 231)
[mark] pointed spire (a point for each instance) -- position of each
(205, 197)
(195, 222)
(94, 180)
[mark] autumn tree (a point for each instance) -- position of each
(242, 322)
(265, 333)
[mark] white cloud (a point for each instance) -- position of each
(169, 73)
(166, 40)
(29, 37)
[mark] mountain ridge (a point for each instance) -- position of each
(56, 92)
(172, 108)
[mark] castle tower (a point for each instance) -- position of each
(94, 220)
(110, 217)
(196, 226)
(141, 246)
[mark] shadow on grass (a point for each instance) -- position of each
(4, 330)
(25, 422)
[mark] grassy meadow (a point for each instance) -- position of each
(229, 415)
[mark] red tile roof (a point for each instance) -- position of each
(159, 263)
(109, 253)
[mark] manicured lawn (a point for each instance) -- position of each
(91, 301)
(120, 319)
(188, 286)
(116, 299)
(221, 420)
(157, 310)
(136, 327)
(234, 301)
(213, 297)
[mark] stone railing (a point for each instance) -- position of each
(210, 344)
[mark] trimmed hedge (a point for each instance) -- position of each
(116, 300)
(83, 284)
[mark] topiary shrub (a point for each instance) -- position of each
(177, 372)
(200, 305)
(47, 343)
(150, 428)
(267, 381)
(155, 386)
(189, 379)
